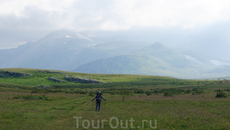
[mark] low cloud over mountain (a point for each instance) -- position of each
(66, 50)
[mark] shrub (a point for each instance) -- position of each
(218, 90)
(199, 91)
(227, 90)
(221, 95)
(194, 89)
(139, 91)
(187, 91)
(156, 91)
(168, 94)
(148, 93)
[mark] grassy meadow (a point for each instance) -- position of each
(34, 102)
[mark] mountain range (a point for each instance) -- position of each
(66, 50)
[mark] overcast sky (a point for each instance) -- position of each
(173, 22)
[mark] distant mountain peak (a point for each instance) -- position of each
(156, 45)
(68, 34)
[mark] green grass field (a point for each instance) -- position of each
(191, 104)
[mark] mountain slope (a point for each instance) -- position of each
(63, 50)
(56, 51)
(154, 60)
(106, 50)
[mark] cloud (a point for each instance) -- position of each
(182, 13)
(178, 22)
(119, 14)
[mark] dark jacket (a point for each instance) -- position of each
(98, 98)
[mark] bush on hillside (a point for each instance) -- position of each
(194, 89)
(221, 95)
(139, 91)
(149, 93)
(218, 90)
(168, 94)
(187, 91)
(197, 91)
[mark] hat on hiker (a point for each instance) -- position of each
(98, 92)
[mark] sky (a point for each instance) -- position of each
(193, 24)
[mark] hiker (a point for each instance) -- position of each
(98, 100)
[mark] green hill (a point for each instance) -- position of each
(152, 60)
(155, 59)
(41, 77)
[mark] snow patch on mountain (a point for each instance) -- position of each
(193, 59)
(81, 36)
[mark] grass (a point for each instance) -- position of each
(135, 96)
(41, 77)
(179, 112)
(31, 97)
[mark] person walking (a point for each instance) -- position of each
(98, 101)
